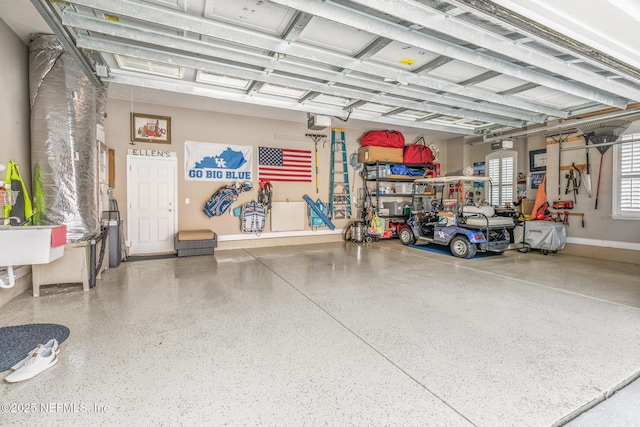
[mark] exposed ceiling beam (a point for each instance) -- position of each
(254, 87)
(629, 114)
(309, 97)
(372, 48)
(520, 88)
(433, 64)
(355, 105)
(496, 13)
(480, 78)
(218, 30)
(51, 17)
(416, 12)
(90, 42)
(394, 112)
(297, 25)
(162, 40)
(178, 86)
(450, 25)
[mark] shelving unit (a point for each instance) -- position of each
(390, 194)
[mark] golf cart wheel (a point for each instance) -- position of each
(462, 248)
(347, 233)
(406, 236)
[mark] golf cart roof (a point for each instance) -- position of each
(446, 179)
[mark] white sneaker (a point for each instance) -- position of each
(37, 363)
(39, 348)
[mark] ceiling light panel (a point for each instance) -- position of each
(499, 83)
(220, 80)
(342, 38)
(285, 92)
(411, 115)
(457, 71)
(332, 100)
(145, 66)
(376, 108)
(259, 15)
(551, 98)
(180, 5)
(233, 45)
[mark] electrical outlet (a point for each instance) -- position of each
(186, 201)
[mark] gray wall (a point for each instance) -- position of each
(14, 119)
(14, 103)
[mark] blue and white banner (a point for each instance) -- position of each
(217, 162)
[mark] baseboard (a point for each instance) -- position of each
(632, 246)
(292, 238)
(278, 235)
(604, 250)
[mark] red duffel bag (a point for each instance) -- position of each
(383, 138)
(417, 153)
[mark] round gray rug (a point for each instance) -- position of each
(17, 341)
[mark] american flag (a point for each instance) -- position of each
(284, 165)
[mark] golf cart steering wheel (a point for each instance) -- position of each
(436, 204)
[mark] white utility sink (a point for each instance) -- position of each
(28, 245)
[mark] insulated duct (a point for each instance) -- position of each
(65, 110)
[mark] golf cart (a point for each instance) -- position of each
(452, 211)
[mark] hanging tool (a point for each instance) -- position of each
(602, 133)
(316, 137)
(355, 164)
(563, 204)
(339, 202)
(574, 178)
(561, 135)
(567, 214)
(587, 178)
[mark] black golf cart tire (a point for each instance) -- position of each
(347, 233)
(458, 243)
(406, 236)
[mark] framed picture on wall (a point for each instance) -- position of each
(538, 160)
(149, 128)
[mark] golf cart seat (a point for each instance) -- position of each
(478, 216)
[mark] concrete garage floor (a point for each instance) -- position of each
(340, 334)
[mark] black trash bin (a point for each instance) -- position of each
(113, 222)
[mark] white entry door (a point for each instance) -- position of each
(151, 204)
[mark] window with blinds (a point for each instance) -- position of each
(626, 178)
(501, 168)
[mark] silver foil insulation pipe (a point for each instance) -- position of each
(66, 107)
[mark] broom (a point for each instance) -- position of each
(602, 133)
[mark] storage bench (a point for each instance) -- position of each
(195, 242)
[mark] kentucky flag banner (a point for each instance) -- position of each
(284, 165)
(217, 162)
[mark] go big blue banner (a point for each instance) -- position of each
(217, 162)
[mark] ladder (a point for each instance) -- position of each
(340, 197)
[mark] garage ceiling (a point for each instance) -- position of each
(455, 67)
